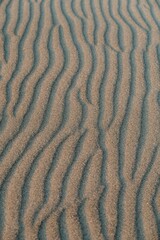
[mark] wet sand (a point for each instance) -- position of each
(79, 120)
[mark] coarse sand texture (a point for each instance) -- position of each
(79, 119)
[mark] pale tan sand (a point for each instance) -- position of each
(79, 119)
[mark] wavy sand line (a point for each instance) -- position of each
(80, 119)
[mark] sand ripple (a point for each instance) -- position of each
(79, 119)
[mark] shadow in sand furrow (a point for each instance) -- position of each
(135, 15)
(124, 165)
(22, 88)
(121, 160)
(158, 54)
(138, 219)
(132, 43)
(81, 213)
(42, 147)
(13, 59)
(64, 111)
(120, 33)
(66, 176)
(47, 207)
(62, 189)
(95, 22)
(158, 3)
(123, 128)
(22, 126)
(46, 188)
(101, 140)
(144, 19)
(4, 31)
(155, 210)
(127, 40)
(117, 84)
(27, 115)
(158, 98)
(18, 67)
(105, 21)
(20, 16)
(144, 115)
(84, 110)
(47, 177)
(147, 207)
(83, 46)
(62, 226)
(152, 12)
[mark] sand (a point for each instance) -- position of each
(79, 119)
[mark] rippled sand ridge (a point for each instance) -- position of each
(80, 119)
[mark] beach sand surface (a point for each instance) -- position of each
(79, 120)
